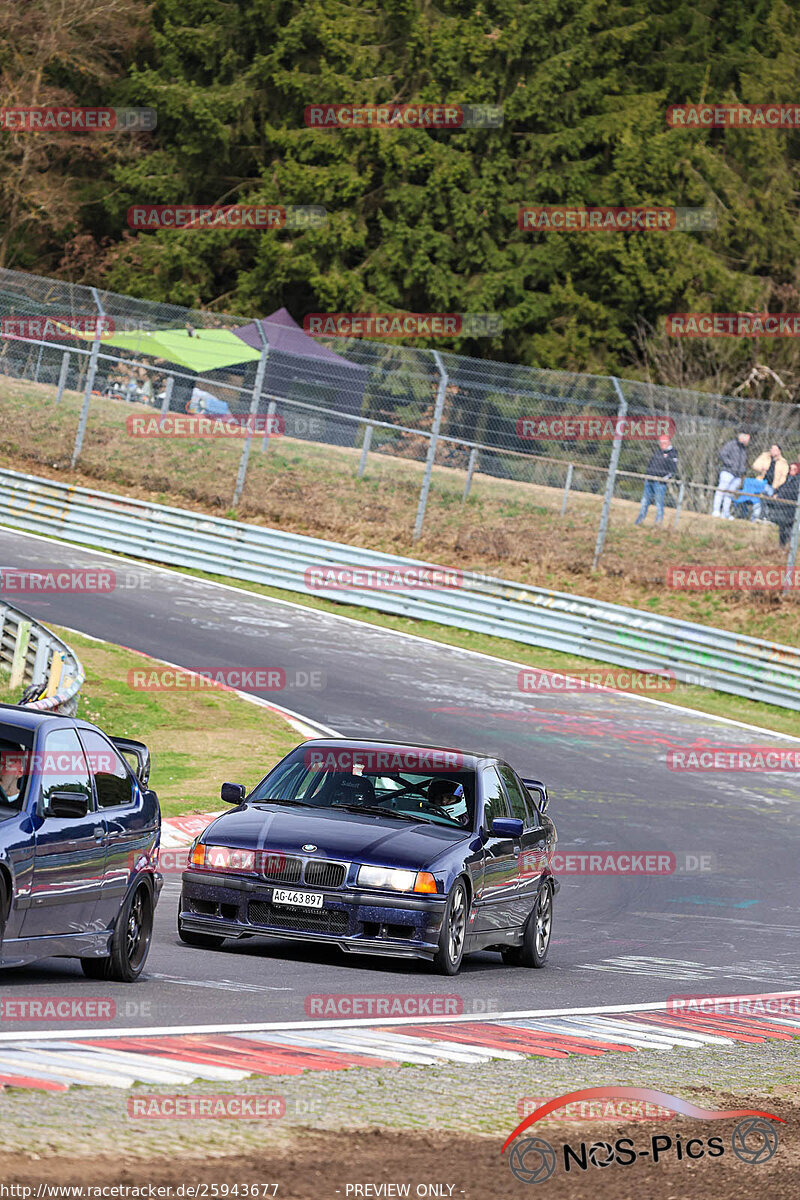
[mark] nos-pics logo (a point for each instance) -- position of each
(754, 1139)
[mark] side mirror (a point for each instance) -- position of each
(506, 827)
(233, 793)
(66, 804)
(536, 785)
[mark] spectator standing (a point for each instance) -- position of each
(663, 466)
(783, 513)
(773, 469)
(733, 464)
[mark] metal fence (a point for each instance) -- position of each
(39, 662)
(693, 653)
(446, 410)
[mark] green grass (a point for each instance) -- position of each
(197, 739)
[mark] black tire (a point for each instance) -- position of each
(130, 941)
(538, 930)
(205, 941)
(453, 935)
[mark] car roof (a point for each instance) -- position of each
(470, 759)
(34, 718)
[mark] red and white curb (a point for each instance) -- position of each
(120, 1059)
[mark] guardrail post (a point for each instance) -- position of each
(567, 486)
(612, 474)
(679, 505)
(165, 403)
(20, 654)
(362, 465)
(257, 386)
(793, 542)
(87, 395)
(473, 459)
(62, 378)
(271, 410)
(432, 444)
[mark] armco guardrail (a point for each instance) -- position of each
(34, 655)
(728, 662)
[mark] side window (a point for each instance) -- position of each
(64, 766)
(111, 778)
(494, 797)
(521, 804)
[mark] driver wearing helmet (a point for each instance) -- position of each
(448, 798)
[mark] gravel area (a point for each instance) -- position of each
(479, 1099)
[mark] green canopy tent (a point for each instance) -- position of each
(201, 352)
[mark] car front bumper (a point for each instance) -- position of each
(357, 920)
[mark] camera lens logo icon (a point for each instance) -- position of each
(754, 1140)
(532, 1160)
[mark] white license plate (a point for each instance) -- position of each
(297, 899)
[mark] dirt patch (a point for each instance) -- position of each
(314, 1165)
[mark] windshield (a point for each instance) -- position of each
(427, 796)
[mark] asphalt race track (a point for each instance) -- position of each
(727, 929)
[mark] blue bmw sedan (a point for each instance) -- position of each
(377, 848)
(79, 837)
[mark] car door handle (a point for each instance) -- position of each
(99, 833)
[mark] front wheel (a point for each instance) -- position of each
(453, 935)
(536, 938)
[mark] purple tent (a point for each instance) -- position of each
(300, 369)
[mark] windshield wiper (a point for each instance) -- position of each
(273, 800)
(381, 812)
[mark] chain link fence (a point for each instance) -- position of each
(486, 420)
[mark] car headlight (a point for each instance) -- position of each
(223, 858)
(395, 880)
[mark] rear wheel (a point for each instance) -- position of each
(453, 935)
(536, 938)
(130, 941)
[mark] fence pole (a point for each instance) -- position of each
(38, 364)
(679, 505)
(362, 465)
(165, 403)
(254, 403)
(62, 378)
(567, 486)
(432, 444)
(793, 542)
(87, 395)
(612, 474)
(272, 406)
(473, 458)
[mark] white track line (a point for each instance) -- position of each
(372, 1022)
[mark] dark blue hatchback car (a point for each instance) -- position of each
(415, 852)
(79, 836)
